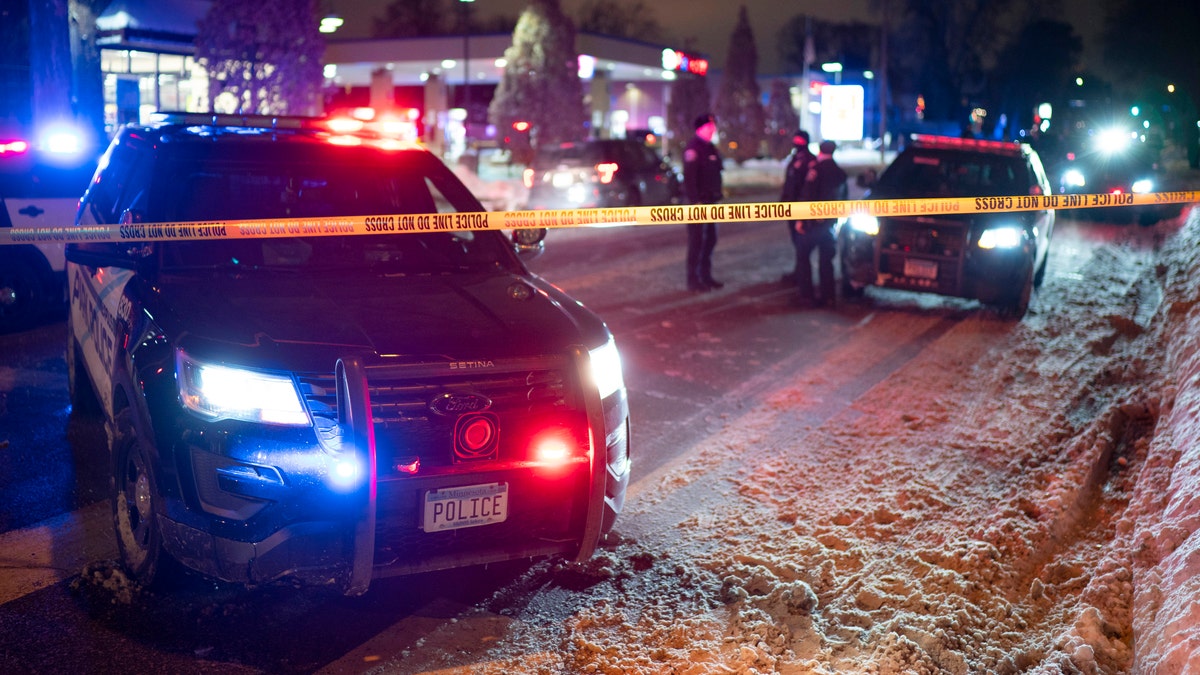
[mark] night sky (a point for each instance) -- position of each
(710, 22)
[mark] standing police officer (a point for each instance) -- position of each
(826, 181)
(702, 185)
(793, 181)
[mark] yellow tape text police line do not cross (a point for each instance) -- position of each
(569, 218)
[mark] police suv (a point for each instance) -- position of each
(327, 407)
(997, 258)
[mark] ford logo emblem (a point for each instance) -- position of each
(458, 404)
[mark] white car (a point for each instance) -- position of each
(37, 189)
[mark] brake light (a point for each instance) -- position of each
(15, 147)
(527, 178)
(607, 170)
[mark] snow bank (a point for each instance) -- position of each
(1167, 501)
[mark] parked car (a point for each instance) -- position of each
(331, 409)
(1113, 161)
(997, 258)
(38, 188)
(601, 173)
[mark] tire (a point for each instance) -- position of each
(1040, 275)
(849, 292)
(23, 291)
(136, 506)
(1019, 303)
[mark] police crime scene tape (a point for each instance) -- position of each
(569, 218)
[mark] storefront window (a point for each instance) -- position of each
(139, 83)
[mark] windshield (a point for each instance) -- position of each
(419, 185)
(941, 173)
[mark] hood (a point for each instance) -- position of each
(456, 316)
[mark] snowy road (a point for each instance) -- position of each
(903, 485)
(942, 491)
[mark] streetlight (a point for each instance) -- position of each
(835, 68)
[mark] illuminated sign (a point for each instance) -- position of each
(673, 59)
(842, 112)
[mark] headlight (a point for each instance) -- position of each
(606, 369)
(224, 392)
(1074, 178)
(1113, 141)
(866, 224)
(1001, 237)
(1143, 186)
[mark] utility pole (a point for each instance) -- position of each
(883, 82)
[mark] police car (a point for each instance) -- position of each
(997, 258)
(331, 409)
(40, 186)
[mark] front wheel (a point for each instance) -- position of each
(136, 504)
(1018, 304)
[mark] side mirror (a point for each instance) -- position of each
(530, 241)
(107, 255)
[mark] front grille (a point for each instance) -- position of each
(521, 393)
(546, 507)
(910, 249)
(940, 239)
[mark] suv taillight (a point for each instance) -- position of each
(606, 171)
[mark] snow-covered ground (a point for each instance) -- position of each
(1022, 499)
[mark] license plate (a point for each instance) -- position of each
(921, 269)
(466, 506)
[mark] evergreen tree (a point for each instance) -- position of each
(266, 55)
(739, 108)
(540, 85)
(690, 98)
(782, 120)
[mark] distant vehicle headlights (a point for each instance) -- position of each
(224, 392)
(1143, 186)
(1074, 178)
(1113, 141)
(1003, 237)
(868, 225)
(606, 369)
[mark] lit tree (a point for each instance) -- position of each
(782, 120)
(540, 86)
(265, 56)
(739, 110)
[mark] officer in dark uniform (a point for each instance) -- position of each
(794, 174)
(702, 185)
(826, 181)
